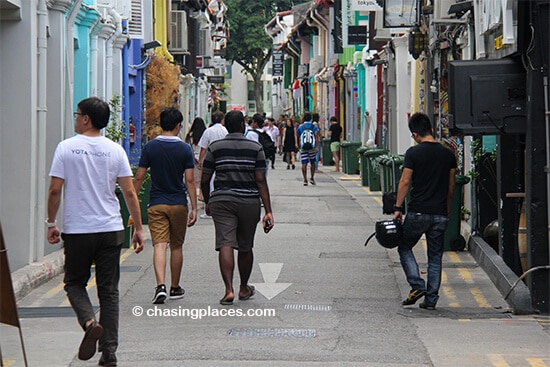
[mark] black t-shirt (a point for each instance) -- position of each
(336, 132)
(430, 163)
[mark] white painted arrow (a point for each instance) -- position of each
(270, 273)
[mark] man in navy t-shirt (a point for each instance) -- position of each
(170, 160)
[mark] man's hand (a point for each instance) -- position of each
(53, 235)
(138, 240)
(192, 219)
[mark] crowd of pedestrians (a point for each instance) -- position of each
(225, 166)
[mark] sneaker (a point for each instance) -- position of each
(107, 359)
(312, 181)
(176, 292)
(293, 166)
(414, 296)
(205, 216)
(426, 306)
(160, 294)
(288, 167)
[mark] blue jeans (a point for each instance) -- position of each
(434, 227)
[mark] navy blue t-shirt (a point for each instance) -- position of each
(168, 157)
(431, 164)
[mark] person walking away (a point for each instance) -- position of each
(86, 168)
(315, 119)
(215, 132)
(307, 138)
(335, 134)
(170, 159)
(192, 138)
(273, 132)
(254, 134)
(430, 168)
(289, 143)
(234, 203)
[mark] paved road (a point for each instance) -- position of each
(323, 300)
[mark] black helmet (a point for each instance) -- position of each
(389, 233)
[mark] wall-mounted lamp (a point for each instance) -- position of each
(417, 42)
(150, 45)
(376, 62)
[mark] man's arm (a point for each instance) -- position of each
(451, 192)
(192, 191)
(202, 153)
(138, 179)
(132, 202)
(54, 199)
(205, 188)
(402, 190)
(263, 190)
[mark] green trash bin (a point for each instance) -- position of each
(350, 159)
(125, 215)
(362, 165)
(371, 178)
(453, 240)
(390, 165)
(327, 154)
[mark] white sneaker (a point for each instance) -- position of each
(205, 216)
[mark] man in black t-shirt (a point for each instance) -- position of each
(335, 133)
(430, 168)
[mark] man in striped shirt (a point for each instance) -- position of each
(239, 184)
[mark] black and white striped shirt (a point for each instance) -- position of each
(235, 159)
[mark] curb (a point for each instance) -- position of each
(29, 277)
(501, 275)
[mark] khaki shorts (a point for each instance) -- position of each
(335, 146)
(235, 224)
(168, 224)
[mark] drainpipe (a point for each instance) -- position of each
(547, 118)
(125, 95)
(38, 192)
(69, 54)
(117, 20)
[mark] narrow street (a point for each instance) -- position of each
(323, 299)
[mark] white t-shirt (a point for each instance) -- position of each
(90, 167)
(213, 133)
(253, 136)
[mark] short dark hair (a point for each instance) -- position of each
(420, 123)
(333, 118)
(307, 116)
(97, 110)
(315, 117)
(259, 119)
(234, 121)
(170, 118)
(217, 117)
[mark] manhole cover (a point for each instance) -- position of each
(308, 307)
(272, 332)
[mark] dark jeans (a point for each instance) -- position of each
(103, 249)
(434, 227)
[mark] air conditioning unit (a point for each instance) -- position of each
(178, 32)
(441, 8)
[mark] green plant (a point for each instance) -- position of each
(115, 127)
(465, 212)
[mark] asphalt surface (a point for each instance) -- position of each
(323, 299)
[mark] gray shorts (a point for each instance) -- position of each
(235, 224)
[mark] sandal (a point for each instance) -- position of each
(305, 183)
(226, 301)
(251, 291)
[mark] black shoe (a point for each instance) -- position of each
(426, 306)
(272, 167)
(176, 292)
(88, 345)
(160, 294)
(414, 296)
(107, 359)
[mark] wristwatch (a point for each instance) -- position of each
(397, 208)
(51, 224)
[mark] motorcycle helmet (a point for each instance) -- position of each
(388, 233)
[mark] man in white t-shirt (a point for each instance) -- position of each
(87, 167)
(216, 131)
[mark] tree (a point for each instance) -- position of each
(248, 44)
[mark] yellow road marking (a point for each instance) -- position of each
(497, 360)
(8, 363)
(480, 299)
(466, 275)
(453, 256)
(536, 362)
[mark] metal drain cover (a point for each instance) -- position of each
(308, 307)
(273, 332)
(45, 312)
